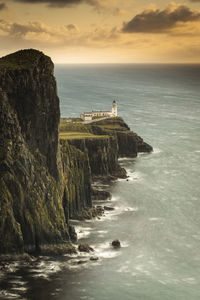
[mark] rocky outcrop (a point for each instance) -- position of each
(116, 244)
(31, 192)
(129, 144)
(103, 156)
(76, 181)
(44, 182)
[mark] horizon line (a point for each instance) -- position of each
(127, 63)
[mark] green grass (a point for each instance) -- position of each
(80, 135)
(112, 127)
(65, 125)
(74, 128)
(21, 59)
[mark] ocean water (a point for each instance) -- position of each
(157, 211)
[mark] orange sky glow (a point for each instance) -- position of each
(103, 31)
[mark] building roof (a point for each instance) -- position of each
(96, 111)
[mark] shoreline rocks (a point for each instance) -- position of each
(109, 208)
(94, 258)
(85, 248)
(116, 244)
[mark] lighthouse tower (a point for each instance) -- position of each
(114, 109)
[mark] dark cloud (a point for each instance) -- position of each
(2, 6)
(158, 21)
(17, 29)
(100, 6)
(61, 3)
(72, 27)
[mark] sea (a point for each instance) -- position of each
(156, 212)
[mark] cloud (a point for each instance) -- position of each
(53, 3)
(3, 6)
(62, 3)
(40, 34)
(100, 6)
(160, 21)
(72, 27)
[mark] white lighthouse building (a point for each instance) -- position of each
(114, 109)
(89, 116)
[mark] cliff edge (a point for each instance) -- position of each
(31, 211)
(47, 165)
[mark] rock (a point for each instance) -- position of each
(94, 258)
(108, 208)
(100, 195)
(72, 233)
(116, 244)
(97, 211)
(81, 262)
(30, 179)
(85, 248)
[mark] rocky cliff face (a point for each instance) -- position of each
(31, 211)
(44, 182)
(76, 181)
(102, 154)
(128, 142)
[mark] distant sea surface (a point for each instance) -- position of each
(157, 211)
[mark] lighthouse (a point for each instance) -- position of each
(114, 109)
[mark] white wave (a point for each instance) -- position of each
(105, 250)
(197, 151)
(46, 268)
(156, 150)
(124, 244)
(126, 158)
(103, 246)
(132, 176)
(102, 231)
(154, 219)
(114, 214)
(109, 254)
(190, 280)
(152, 124)
(140, 256)
(114, 198)
(19, 288)
(169, 250)
(83, 232)
(131, 209)
(9, 295)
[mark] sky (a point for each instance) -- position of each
(103, 31)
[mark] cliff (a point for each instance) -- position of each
(46, 169)
(77, 181)
(31, 211)
(103, 142)
(129, 143)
